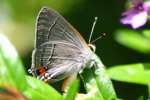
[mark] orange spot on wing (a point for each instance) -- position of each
(42, 71)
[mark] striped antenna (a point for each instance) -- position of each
(94, 23)
(103, 34)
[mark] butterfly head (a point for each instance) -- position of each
(92, 47)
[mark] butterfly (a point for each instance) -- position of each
(60, 51)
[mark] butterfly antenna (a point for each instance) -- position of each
(94, 23)
(103, 34)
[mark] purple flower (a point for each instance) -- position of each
(137, 15)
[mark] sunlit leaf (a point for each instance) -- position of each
(134, 73)
(97, 82)
(72, 91)
(11, 68)
(103, 81)
(146, 33)
(133, 40)
(93, 92)
(38, 90)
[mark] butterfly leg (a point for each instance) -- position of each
(67, 82)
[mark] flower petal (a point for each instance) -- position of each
(136, 2)
(147, 6)
(135, 20)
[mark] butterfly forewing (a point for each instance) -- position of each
(51, 26)
(59, 47)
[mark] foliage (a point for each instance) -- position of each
(18, 20)
(12, 73)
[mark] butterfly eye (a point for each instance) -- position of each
(92, 47)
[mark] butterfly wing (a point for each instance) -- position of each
(51, 26)
(61, 59)
(58, 46)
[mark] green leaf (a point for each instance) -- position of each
(72, 91)
(97, 82)
(149, 90)
(103, 81)
(11, 68)
(146, 33)
(38, 90)
(133, 40)
(91, 87)
(134, 73)
(141, 98)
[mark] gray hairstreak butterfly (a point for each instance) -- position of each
(60, 50)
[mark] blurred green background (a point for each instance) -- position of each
(17, 22)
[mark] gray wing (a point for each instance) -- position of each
(57, 46)
(62, 59)
(51, 26)
(55, 51)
